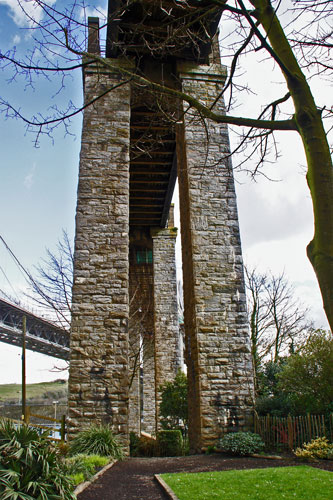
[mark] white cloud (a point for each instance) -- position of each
(289, 256)
(29, 178)
(16, 39)
(28, 9)
(277, 217)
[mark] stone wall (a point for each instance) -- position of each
(217, 339)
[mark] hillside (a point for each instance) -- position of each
(41, 392)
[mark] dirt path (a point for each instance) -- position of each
(133, 478)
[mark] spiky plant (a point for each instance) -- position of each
(30, 467)
(97, 440)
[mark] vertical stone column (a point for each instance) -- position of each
(148, 387)
(167, 353)
(218, 351)
(141, 327)
(98, 380)
(134, 396)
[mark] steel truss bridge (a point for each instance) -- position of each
(41, 336)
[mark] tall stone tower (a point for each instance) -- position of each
(135, 141)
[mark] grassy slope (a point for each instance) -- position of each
(297, 483)
(13, 391)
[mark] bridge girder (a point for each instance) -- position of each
(41, 336)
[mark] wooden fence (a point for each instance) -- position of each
(292, 432)
(37, 421)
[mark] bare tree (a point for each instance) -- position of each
(60, 38)
(258, 312)
(289, 318)
(278, 321)
(51, 292)
(52, 286)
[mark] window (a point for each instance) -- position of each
(144, 256)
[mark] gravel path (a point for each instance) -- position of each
(133, 478)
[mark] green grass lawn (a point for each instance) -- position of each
(13, 391)
(290, 483)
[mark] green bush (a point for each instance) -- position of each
(97, 440)
(241, 443)
(78, 478)
(170, 443)
(134, 443)
(142, 446)
(86, 465)
(30, 467)
(317, 448)
(96, 460)
(173, 408)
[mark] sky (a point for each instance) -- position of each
(38, 190)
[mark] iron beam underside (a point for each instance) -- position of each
(42, 336)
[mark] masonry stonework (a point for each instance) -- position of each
(125, 335)
(148, 423)
(141, 328)
(98, 380)
(217, 341)
(167, 342)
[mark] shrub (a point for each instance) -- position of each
(85, 465)
(97, 440)
(30, 467)
(173, 408)
(143, 446)
(78, 478)
(169, 443)
(63, 448)
(317, 448)
(96, 460)
(134, 443)
(241, 443)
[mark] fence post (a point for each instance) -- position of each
(27, 415)
(290, 433)
(24, 388)
(323, 427)
(63, 428)
(309, 425)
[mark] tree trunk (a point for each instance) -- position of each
(320, 169)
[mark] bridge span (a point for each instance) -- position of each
(41, 335)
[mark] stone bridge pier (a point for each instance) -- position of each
(125, 338)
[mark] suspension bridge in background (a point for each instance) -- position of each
(41, 335)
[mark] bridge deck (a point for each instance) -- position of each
(155, 34)
(41, 335)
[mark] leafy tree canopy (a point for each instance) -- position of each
(301, 383)
(308, 375)
(173, 408)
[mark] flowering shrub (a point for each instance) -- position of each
(241, 443)
(317, 448)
